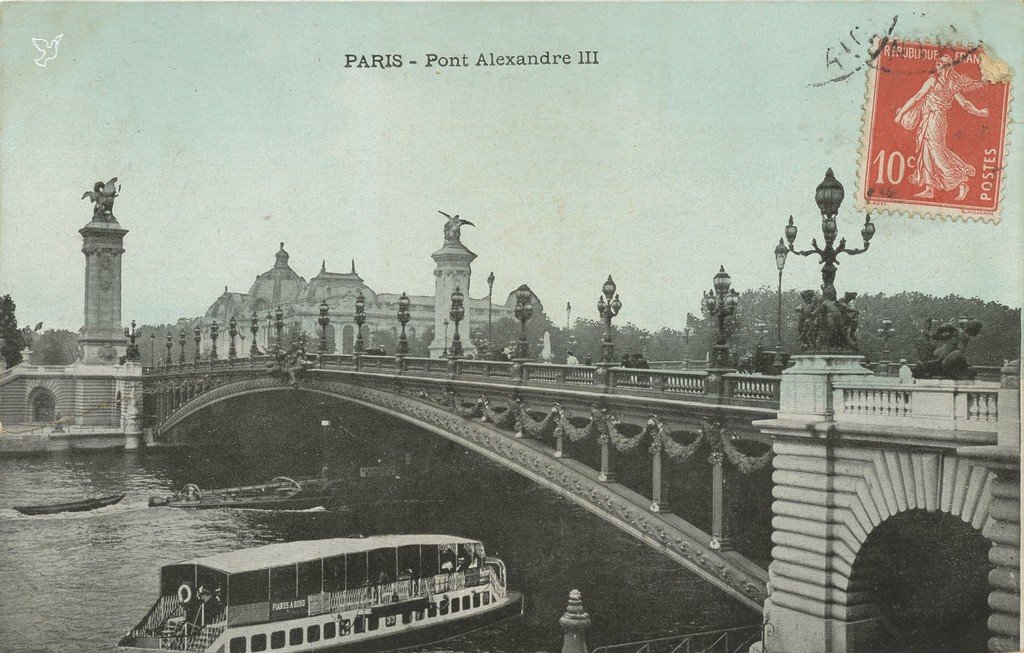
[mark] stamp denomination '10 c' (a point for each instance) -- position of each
(934, 132)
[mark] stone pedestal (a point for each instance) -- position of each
(807, 383)
(453, 270)
(102, 340)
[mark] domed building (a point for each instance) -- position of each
(300, 300)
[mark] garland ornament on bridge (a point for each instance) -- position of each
(828, 324)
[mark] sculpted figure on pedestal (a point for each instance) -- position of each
(453, 228)
(102, 196)
(943, 352)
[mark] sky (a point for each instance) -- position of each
(233, 127)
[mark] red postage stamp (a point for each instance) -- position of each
(935, 131)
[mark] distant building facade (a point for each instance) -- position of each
(300, 300)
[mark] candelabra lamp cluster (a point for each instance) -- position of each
(360, 319)
(181, 346)
(197, 337)
(132, 351)
(169, 343)
(720, 302)
(523, 313)
(608, 306)
(457, 313)
(827, 323)
(403, 318)
(279, 328)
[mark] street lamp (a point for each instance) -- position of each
(760, 330)
(403, 319)
(181, 344)
(360, 318)
(523, 313)
(324, 320)
(780, 262)
(886, 331)
(254, 327)
(608, 306)
(279, 327)
(152, 350)
(232, 333)
(170, 343)
(687, 335)
(720, 302)
(445, 352)
(490, 293)
(214, 331)
(197, 334)
(456, 313)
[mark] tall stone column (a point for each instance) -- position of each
(453, 270)
(102, 340)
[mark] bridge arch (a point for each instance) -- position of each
(43, 404)
(616, 504)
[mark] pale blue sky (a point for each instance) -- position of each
(234, 126)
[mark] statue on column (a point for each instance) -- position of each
(943, 352)
(453, 228)
(102, 196)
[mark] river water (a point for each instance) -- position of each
(79, 581)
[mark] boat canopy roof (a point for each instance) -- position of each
(287, 553)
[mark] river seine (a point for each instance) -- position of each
(79, 581)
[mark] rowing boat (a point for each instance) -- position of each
(70, 506)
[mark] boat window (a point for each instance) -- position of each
(429, 565)
(334, 574)
(360, 623)
(212, 580)
(282, 583)
(277, 639)
(258, 643)
(465, 559)
(248, 587)
(407, 617)
(355, 570)
(409, 561)
(456, 605)
(330, 630)
(487, 598)
(310, 578)
(382, 566)
(465, 602)
(313, 633)
(447, 555)
(294, 636)
(238, 645)
(374, 623)
(476, 599)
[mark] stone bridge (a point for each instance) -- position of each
(525, 416)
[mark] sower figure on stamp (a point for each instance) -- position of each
(937, 165)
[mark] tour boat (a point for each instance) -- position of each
(282, 493)
(70, 506)
(368, 594)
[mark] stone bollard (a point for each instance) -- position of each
(574, 624)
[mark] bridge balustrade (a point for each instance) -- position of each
(925, 403)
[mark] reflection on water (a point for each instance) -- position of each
(78, 581)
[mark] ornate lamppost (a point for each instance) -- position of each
(886, 331)
(232, 334)
(608, 306)
(830, 334)
(152, 350)
(269, 345)
(132, 352)
(214, 332)
(456, 313)
(181, 345)
(490, 294)
(279, 327)
(444, 323)
(254, 328)
(720, 302)
(760, 330)
(780, 262)
(403, 319)
(687, 335)
(170, 343)
(197, 334)
(523, 313)
(324, 320)
(360, 319)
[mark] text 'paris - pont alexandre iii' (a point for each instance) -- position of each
(483, 60)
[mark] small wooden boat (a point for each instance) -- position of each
(282, 493)
(70, 506)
